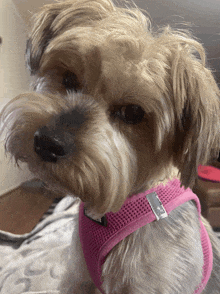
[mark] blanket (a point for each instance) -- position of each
(34, 263)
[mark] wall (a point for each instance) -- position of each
(14, 79)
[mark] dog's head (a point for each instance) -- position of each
(116, 106)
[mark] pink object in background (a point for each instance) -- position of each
(210, 173)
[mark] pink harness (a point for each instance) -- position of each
(97, 239)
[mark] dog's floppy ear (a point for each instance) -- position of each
(196, 100)
(42, 33)
(57, 18)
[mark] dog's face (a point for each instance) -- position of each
(115, 106)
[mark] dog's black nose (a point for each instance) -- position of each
(50, 145)
(57, 139)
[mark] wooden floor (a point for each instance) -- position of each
(22, 208)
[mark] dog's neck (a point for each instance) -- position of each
(164, 179)
(173, 173)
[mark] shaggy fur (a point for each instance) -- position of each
(122, 108)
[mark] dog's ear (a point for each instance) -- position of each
(196, 104)
(44, 30)
(55, 19)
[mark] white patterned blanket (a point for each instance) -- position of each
(34, 263)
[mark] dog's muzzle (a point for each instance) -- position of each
(57, 140)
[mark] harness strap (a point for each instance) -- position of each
(99, 237)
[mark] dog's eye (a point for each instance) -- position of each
(130, 114)
(70, 81)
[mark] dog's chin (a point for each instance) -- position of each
(57, 190)
(63, 186)
(60, 192)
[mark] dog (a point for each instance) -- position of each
(119, 111)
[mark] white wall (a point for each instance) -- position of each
(14, 79)
(27, 8)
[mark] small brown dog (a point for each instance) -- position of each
(116, 110)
